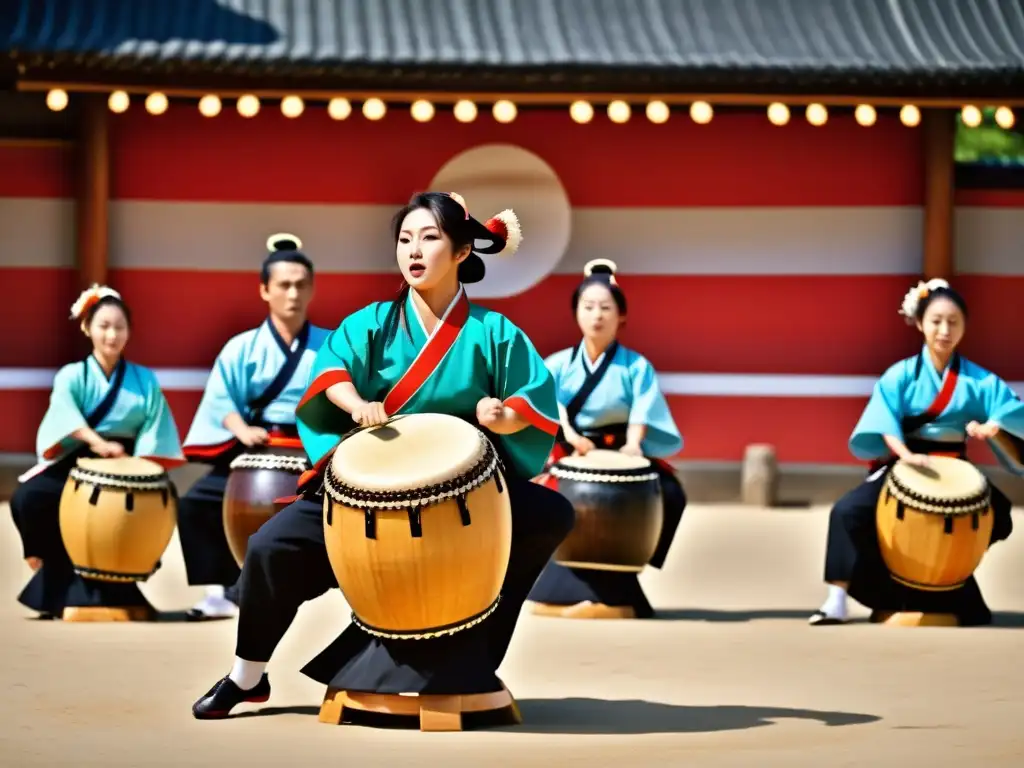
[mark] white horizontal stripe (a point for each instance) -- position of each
(670, 241)
(989, 241)
(37, 232)
(707, 384)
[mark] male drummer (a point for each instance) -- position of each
(252, 392)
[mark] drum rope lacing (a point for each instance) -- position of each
(118, 578)
(121, 482)
(475, 476)
(294, 464)
(429, 634)
(600, 476)
(963, 505)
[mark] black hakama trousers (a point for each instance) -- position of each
(287, 564)
(562, 585)
(853, 555)
(35, 507)
(204, 543)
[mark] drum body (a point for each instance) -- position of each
(117, 517)
(619, 510)
(934, 524)
(418, 526)
(256, 479)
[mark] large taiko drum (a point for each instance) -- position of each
(619, 510)
(934, 523)
(256, 479)
(418, 526)
(117, 517)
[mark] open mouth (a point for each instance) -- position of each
(417, 270)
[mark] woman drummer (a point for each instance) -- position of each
(928, 404)
(609, 398)
(102, 406)
(431, 350)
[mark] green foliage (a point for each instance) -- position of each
(988, 143)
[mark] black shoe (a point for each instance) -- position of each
(225, 696)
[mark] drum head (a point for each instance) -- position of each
(409, 452)
(947, 479)
(601, 459)
(122, 466)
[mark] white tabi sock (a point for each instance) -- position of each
(835, 604)
(215, 590)
(247, 674)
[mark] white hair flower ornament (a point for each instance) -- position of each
(89, 297)
(917, 294)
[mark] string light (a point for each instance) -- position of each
(156, 103)
(248, 105)
(658, 112)
(701, 112)
(619, 112)
(422, 111)
(209, 105)
(57, 99)
(910, 115)
(1005, 118)
(504, 111)
(118, 102)
(292, 106)
(971, 116)
(465, 111)
(581, 112)
(778, 114)
(817, 115)
(339, 109)
(865, 115)
(374, 109)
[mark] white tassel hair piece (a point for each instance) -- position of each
(513, 231)
(914, 296)
(89, 297)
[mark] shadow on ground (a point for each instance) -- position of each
(1000, 619)
(633, 716)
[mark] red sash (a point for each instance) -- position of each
(939, 404)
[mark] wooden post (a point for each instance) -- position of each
(92, 205)
(939, 136)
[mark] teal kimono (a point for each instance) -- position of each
(472, 353)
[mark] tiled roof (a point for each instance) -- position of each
(911, 46)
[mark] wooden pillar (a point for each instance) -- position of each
(93, 181)
(939, 127)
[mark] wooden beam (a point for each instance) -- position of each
(939, 136)
(93, 185)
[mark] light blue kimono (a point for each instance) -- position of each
(140, 412)
(628, 393)
(910, 386)
(245, 367)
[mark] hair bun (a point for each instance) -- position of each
(283, 241)
(600, 267)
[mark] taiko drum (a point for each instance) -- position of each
(117, 516)
(934, 523)
(257, 478)
(619, 510)
(418, 526)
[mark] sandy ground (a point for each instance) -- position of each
(730, 676)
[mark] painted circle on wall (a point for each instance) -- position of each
(493, 177)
